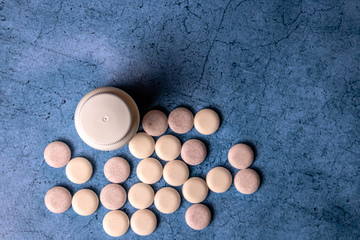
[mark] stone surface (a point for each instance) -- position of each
(284, 77)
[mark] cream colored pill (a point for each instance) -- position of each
(241, 156)
(195, 190)
(247, 181)
(181, 120)
(193, 152)
(113, 196)
(79, 170)
(206, 121)
(198, 216)
(57, 154)
(176, 172)
(149, 170)
(58, 199)
(115, 223)
(85, 202)
(167, 200)
(219, 179)
(117, 169)
(142, 145)
(155, 123)
(168, 147)
(141, 195)
(143, 222)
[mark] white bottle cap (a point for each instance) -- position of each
(107, 118)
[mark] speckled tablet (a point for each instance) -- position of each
(155, 123)
(206, 121)
(181, 120)
(57, 154)
(142, 145)
(85, 202)
(149, 170)
(168, 147)
(58, 199)
(113, 196)
(79, 170)
(115, 223)
(141, 195)
(167, 200)
(198, 216)
(193, 152)
(117, 170)
(247, 181)
(219, 179)
(176, 173)
(241, 156)
(195, 190)
(143, 222)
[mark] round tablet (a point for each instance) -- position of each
(85, 202)
(168, 147)
(141, 195)
(58, 199)
(116, 223)
(219, 179)
(241, 156)
(195, 190)
(155, 123)
(79, 170)
(193, 152)
(247, 181)
(176, 172)
(181, 120)
(143, 222)
(57, 154)
(198, 216)
(149, 170)
(167, 200)
(117, 169)
(113, 196)
(206, 121)
(142, 145)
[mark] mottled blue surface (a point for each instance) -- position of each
(284, 75)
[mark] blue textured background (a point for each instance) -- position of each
(284, 75)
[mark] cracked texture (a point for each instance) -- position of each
(283, 75)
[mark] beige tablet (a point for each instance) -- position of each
(219, 179)
(168, 147)
(206, 121)
(149, 170)
(198, 216)
(141, 195)
(113, 196)
(167, 200)
(143, 222)
(193, 152)
(85, 202)
(117, 169)
(142, 145)
(176, 172)
(247, 181)
(57, 154)
(58, 199)
(79, 170)
(155, 123)
(195, 190)
(181, 120)
(241, 156)
(116, 223)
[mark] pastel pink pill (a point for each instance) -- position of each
(155, 123)
(198, 216)
(117, 170)
(193, 152)
(247, 181)
(113, 196)
(58, 199)
(181, 120)
(241, 156)
(57, 154)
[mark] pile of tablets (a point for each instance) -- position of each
(150, 170)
